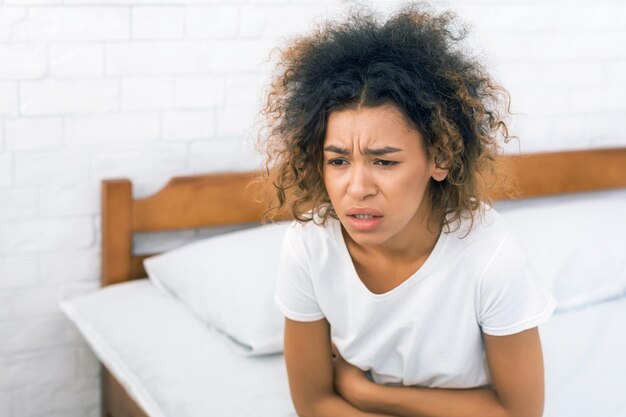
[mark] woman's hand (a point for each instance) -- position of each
(351, 383)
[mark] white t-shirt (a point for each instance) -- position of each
(427, 330)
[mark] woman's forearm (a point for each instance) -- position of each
(433, 402)
(335, 406)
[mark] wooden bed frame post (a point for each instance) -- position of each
(117, 237)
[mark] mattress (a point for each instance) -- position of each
(173, 364)
(585, 361)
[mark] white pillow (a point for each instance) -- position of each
(229, 282)
(576, 244)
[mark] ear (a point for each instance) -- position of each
(439, 174)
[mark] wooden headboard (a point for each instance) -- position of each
(234, 198)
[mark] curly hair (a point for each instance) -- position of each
(413, 60)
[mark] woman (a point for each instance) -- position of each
(403, 291)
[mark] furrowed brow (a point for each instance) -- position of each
(374, 152)
(336, 149)
(381, 151)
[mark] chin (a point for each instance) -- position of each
(366, 238)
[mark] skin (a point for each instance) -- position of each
(374, 160)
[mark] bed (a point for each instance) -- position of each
(161, 357)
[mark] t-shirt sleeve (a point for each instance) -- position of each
(511, 298)
(295, 295)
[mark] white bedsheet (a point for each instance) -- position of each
(585, 361)
(172, 364)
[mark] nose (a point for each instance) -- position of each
(362, 184)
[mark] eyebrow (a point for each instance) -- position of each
(376, 152)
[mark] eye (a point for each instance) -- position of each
(337, 162)
(386, 163)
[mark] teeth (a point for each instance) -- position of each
(363, 216)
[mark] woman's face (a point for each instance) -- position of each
(376, 173)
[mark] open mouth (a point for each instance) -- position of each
(363, 216)
(364, 222)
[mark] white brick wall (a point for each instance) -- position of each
(50, 167)
(46, 365)
(199, 91)
(93, 89)
(6, 169)
(75, 199)
(148, 58)
(188, 124)
(71, 266)
(37, 333)
(28, 133)
(9, 17)
(27, 61)
(63, 96)
(110, 128)
(58, 397)
(6, 403)
(54, 24)
(20, 203)
(158, 22)
(76, 60)
(8, 98)
(18, 271)
(39, 235)
(141, 161)
(147, 93)
(215, 22)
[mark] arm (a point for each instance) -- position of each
(308, 357)
(516, 366)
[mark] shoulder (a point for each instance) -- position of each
(312, 236)
(481, 231)
(504, 257)
(477, 242)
